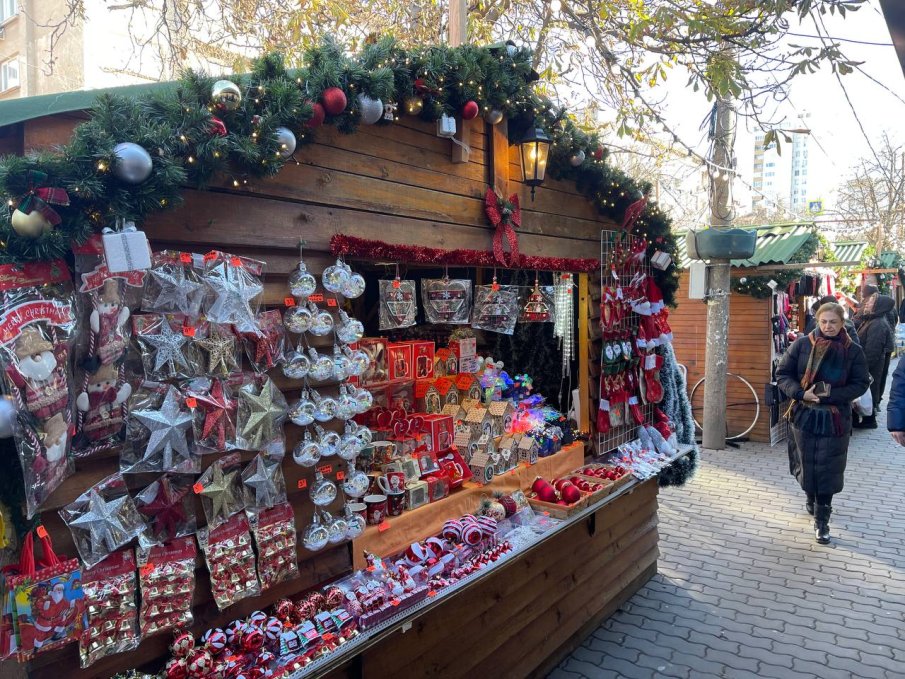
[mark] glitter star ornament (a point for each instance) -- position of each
(168, 507)
(168, 427)
(235, 285)
(166, 345)
(220, 346)
(220, 489)
(169, 289)
(264, 482)
(102, 520)
(260, 417)
(215, 414)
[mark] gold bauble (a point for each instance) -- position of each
(30, 225)
(414, 105)
(226, 95)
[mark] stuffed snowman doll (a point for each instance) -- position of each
(39, 372)
(108, 322)
(101, 402)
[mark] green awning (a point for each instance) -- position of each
(888, 259)
(14, 111)
(776, 244)
(849, 251)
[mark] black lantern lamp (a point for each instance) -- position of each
(534, 149)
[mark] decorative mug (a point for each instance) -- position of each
(395, 503)
(392, 482)
(377, 509)
(359, 508)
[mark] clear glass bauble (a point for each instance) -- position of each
(335, 277)
(325, 408)
(303, 411)
(297, 319)
(307, 452)
(329, 441)
(296, 365)
(358, 360)
(364, 399)
(301, 282)
(322, 491)
(355, 524)
(342, 366)
(321, 366)
(316, 535)
(353, 287)
(321, 323)
(350, 330)
(356, 483)
(337, 528)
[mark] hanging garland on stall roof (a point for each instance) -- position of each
(757, 286)
(133, 156)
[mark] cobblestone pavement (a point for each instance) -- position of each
(744, 591)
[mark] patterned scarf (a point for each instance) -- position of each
(828, 362)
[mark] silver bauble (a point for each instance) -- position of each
(316, 535)
(322, 491)
(30, 225)
(577, 158)
(301, 283)
(371, 109)
(226, 95)
(286, 141)
(133, 163)
(494, 116)
(356, 482)
(511, 50)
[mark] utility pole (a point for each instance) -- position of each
(721, 215)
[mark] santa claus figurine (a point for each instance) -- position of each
(102, 403)
(53, 615)
(40, 373)
(108, 322)
(56, 436)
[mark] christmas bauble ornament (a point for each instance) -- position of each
(321, 366)
(214, 640)
(329, 441)
(30, 225)
(182, 645)
(371, 109)
(273, 628)
(302, 412)
(350, 330)
(470, 110)
(322, 491)
(285, 142)
(253, 639)
(334, 101)
(494, 116)
(509, 505)
(316, 535)
(335, 276)
(307, 452)
(413, 105)
(321, 324)
(176, 668)
(200, 663)
(234, 631)
(353, 287)
(598, 153)
(257, 618)
(296, 366)
(325, 407)
(511, 50)
(356, 482)
(297, 319)
(301, 282)
(337, 528)
(226, 95)
(577, 158)
(133, 163)
(318, 114)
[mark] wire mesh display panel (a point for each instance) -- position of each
(619, 269)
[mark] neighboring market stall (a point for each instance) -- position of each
(363, 493)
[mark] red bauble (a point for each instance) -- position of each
(253, 639)
(420, 85)
(597, 153)
(547, 494)
(470, 110)
(200, 663)
(182, 645)
(177, 669)
(559, 484)
(571, 494)
(334, 101)
(538, 484)
(317, 115)
(508, 504)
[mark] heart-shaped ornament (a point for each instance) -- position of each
(398, 304)
(446, 301)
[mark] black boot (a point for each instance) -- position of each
(809, 505)
(867, 423)
(822, 523)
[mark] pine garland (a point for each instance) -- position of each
(677, 407)
(179, 129)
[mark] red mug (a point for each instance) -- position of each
(395, 503)
(377, 508)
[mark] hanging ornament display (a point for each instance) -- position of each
(220, 488)
(334, 101)
(109, 592)
(37, 334)
(446, 300)
(264, 485)
(274, 534)
(576, 158)
(371, 109)
(302, 284)
(34, 214)
(226, 95)
(230, 560)
(133, 163)
(496, 308)
(214, 414)
(286, 142)
(261, 411)
(235, 288)
(168, 507)
(494, 116)
(221, 348)
(413, 105)
(538, 307)
(564, 328)
(265, 346)
(102, 519)
(173, 285)
(159, 435)
(470, 110)
(166, 579)
(398, 304)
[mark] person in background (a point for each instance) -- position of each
(812, 318)
(878, 342)
(895, 409)
(822, 373)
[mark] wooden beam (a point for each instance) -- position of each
(458, 25)
(499, 156)
(583, 407)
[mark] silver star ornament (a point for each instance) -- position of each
(264, 483)
(176, 293)
(103, 526)
(234, 288)
(168, 347)
(168, 427)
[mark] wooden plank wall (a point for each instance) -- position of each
(749, 352)
(393, 183)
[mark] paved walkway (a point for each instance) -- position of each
(744, 591)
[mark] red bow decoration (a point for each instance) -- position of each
(632, 213)
(40, 197)
(504, 215)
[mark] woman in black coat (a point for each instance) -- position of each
(822, 373)
(878, 342)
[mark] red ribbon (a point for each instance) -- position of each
(503, 216)
(632, 213)
(40, 197)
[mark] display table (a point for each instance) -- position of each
(414, 525)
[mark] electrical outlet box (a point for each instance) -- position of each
(697, 280)
(446, 126)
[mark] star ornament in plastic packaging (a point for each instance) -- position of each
(167, 448)
(215, 414)
(173, 286)
(260, 417)
(168, 507)
(235, 286)
(264, 482)
(220, 488)
(103, 519)
(221, 348)
(166, 350)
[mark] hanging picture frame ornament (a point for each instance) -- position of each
(496, 308)
(446, 300)
(398, 304)
(538, 308)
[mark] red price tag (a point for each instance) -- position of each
(42, 532)
(191, 402)
(331, 302)
(303, 483)
(395, 602)
(289, 301)
(325, 469)
(546, 513)
(210, 256)
(147, 569)
(185, 257)
(340, 475)
(432, 593)
(188, 330)
(236, 261)
(316, 298)
(383, 526)
(198, 488)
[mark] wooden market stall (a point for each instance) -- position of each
(396, 183)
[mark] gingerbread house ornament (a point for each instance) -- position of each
(465, 444)
(469, 387)
(502, 413)
(446, 362)
(427, 397)
(481, 467)
(528, 450)
(449, 392)
(480, 423)
(508, 445)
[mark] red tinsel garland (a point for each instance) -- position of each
(364, 248)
